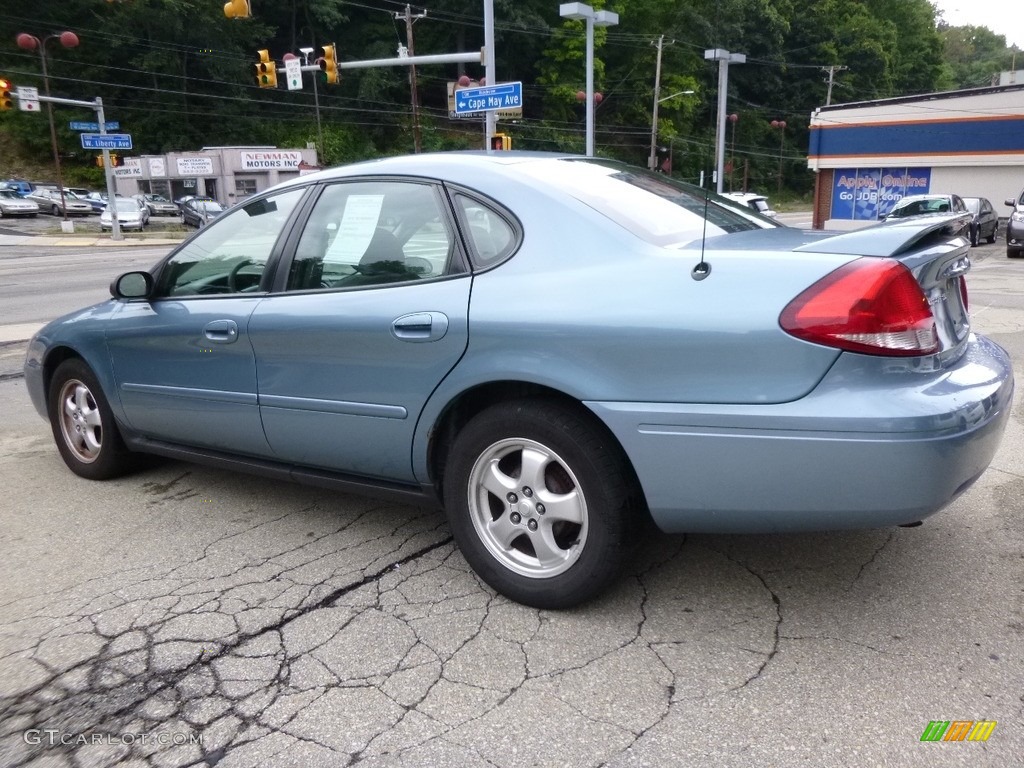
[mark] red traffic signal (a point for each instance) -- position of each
(501, 141)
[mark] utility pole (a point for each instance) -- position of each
(831, 79)
(654, 112)
(409, 19)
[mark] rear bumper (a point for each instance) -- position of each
(868, 448)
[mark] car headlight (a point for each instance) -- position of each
(1017, 216)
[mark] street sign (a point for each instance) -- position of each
(293, 74)
(28, 99)
(106, 141)
(78, 125)
(489, 98)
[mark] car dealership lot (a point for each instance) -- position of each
(281, 625)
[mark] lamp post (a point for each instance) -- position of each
(724, 59)
(781, 126)
(593, 19)
(652, 161)
(733, 118)
(31, 43)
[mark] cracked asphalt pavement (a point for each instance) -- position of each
(186, 616)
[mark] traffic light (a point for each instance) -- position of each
(266, 70)
(99, 161)
(116, 161)
(237, 9)
(6, 101)
(329, 63)
(501, 141)
(664, 160)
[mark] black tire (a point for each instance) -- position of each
(55, 210)
(1012, 253)
(583, 524)
(83, 424)
(991, 238)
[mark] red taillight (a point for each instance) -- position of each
(963, 291)
(870, 305)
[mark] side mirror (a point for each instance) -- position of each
(132, 285)
(1011, 202)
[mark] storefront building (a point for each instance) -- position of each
(868, 155)
(226, 174)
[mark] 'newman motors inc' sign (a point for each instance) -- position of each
(270, 160)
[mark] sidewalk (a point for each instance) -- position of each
(88, 240)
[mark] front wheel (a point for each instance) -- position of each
(538, 500)
(83, 424)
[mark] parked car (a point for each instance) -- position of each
(158, 205)
(50, 201)
(11, 204)
(753, 201)
(129, 214)
(551, 347)
(98, 201)
(1015, 227)
(20, 186)
(984, 222)
(200, 211)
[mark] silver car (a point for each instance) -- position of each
(129, 214)
(158, 205)
(50, 201)
(555, 349)
(12, 204)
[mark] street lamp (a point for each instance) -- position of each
(724, 59)
(781, 126)
(733, 118)
(593, 19)
(652, 161)
(31, 43)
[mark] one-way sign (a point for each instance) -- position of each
(106, 141)
(488, 98)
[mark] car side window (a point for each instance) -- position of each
(491, 237)
(231, 254)
(369, 233)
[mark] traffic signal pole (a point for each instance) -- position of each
(97, 106)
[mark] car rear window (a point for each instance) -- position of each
(654, 207)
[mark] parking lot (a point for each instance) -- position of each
(190, 616)
(47, 224)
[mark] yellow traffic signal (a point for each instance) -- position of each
(99, 161)
(329, 63)
(6, 101)
(237, 9)
(501, 141)
(116, 161)
(266, 71)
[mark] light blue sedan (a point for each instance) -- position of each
(552, 348)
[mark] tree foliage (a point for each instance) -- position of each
(179, 75)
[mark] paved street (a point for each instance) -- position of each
(188, 616)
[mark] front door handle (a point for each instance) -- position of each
(221, 331)
(420, 326)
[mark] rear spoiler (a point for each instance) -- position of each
(892, 238)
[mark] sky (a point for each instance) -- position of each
(1004, 17)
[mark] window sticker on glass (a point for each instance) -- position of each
(357, 226)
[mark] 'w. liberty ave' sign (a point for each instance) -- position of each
(106, 141)
(489, 97)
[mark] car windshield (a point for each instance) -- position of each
(973, 204)
(8, 195)
(126, 205)
(919, 206)
(209, 206)
(652, 206)
(156, 198)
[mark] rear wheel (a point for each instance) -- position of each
(83, 424)
(55, 210)
(991, 238)
(538, 500)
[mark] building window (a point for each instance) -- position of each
(245, 187)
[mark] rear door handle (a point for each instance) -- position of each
(221, 331)
(420, 326)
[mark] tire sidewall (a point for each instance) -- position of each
(603, 488)
(113, 458)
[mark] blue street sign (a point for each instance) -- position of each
(107, 141)
(78, 125)
(489, 98)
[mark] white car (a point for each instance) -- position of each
(754, 201)
(11, 204)
(129, 214)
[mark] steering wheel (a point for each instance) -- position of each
(233, 274)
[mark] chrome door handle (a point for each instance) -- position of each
(420, 326)
(221, 331)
